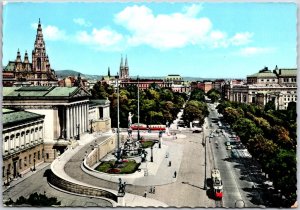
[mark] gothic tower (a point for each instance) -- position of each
(121, 68)
(126, 69)
(40, 62)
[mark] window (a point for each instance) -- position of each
(47, 155)
(34, 155)
(25, 161)
(3, 169)
(39, 155)
(29, 159)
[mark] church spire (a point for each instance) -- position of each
(26, 60)
(121, 64)
(108, 72)
(18, 58)
(126, 62)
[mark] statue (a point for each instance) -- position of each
(130, 119)
(121, 187)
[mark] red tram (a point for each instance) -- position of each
(140, 126)
(217, 184)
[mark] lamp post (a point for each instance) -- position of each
(151, 159)
(205, 183)
(160, 137)
(33, 164)
(91, 122)
(118, 113)
(138, 89)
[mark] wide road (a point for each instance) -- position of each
(238, 175)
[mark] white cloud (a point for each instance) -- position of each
(250, 51)
(193, 10)
(51, 32)
(101, 39)
(82, 22)
(176, 30)
(241, 38)
(162, 31)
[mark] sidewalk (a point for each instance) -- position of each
(21, 179)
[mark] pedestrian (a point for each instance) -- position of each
(145, 194)
(175, 174)
(153, 190)
(170, 163)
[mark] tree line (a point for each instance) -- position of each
(157, 105)
(271, 138)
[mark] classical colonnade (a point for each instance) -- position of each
(76, 117)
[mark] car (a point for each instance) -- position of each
(228, 147)
(227, 143)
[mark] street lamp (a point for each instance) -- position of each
(118, 113)
(33, 164)
(160, 137)
(91, 122)
(138, 89)
(205, 183)
(151, 159)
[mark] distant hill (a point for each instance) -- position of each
(66, 73)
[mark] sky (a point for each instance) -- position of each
(208, 40)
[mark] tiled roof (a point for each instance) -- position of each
(10, 117)
(40, 91)
(10, 66)
(263, 74)
(61, 91)
(287, 72)
(7, 90)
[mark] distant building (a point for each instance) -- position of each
(124, 69)
(22, 144)
(38, 72)
(174, 78)
(145, 83)
(279, 86)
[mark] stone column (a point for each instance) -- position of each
(67, 123)
(87, 115)
(73, 119)
(80, 117)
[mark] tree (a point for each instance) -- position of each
(35, 199)
(99, 92)
(214, 95)
(246, 129)
(270, 105)
(197, 95)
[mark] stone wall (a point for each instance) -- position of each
(102, 125)
(101, 150)
(79, 189)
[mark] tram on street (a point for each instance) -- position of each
(217, 184)
(141, 126)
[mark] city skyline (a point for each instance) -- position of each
(212, 40)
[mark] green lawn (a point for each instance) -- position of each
(147, 144)
(123, 168)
